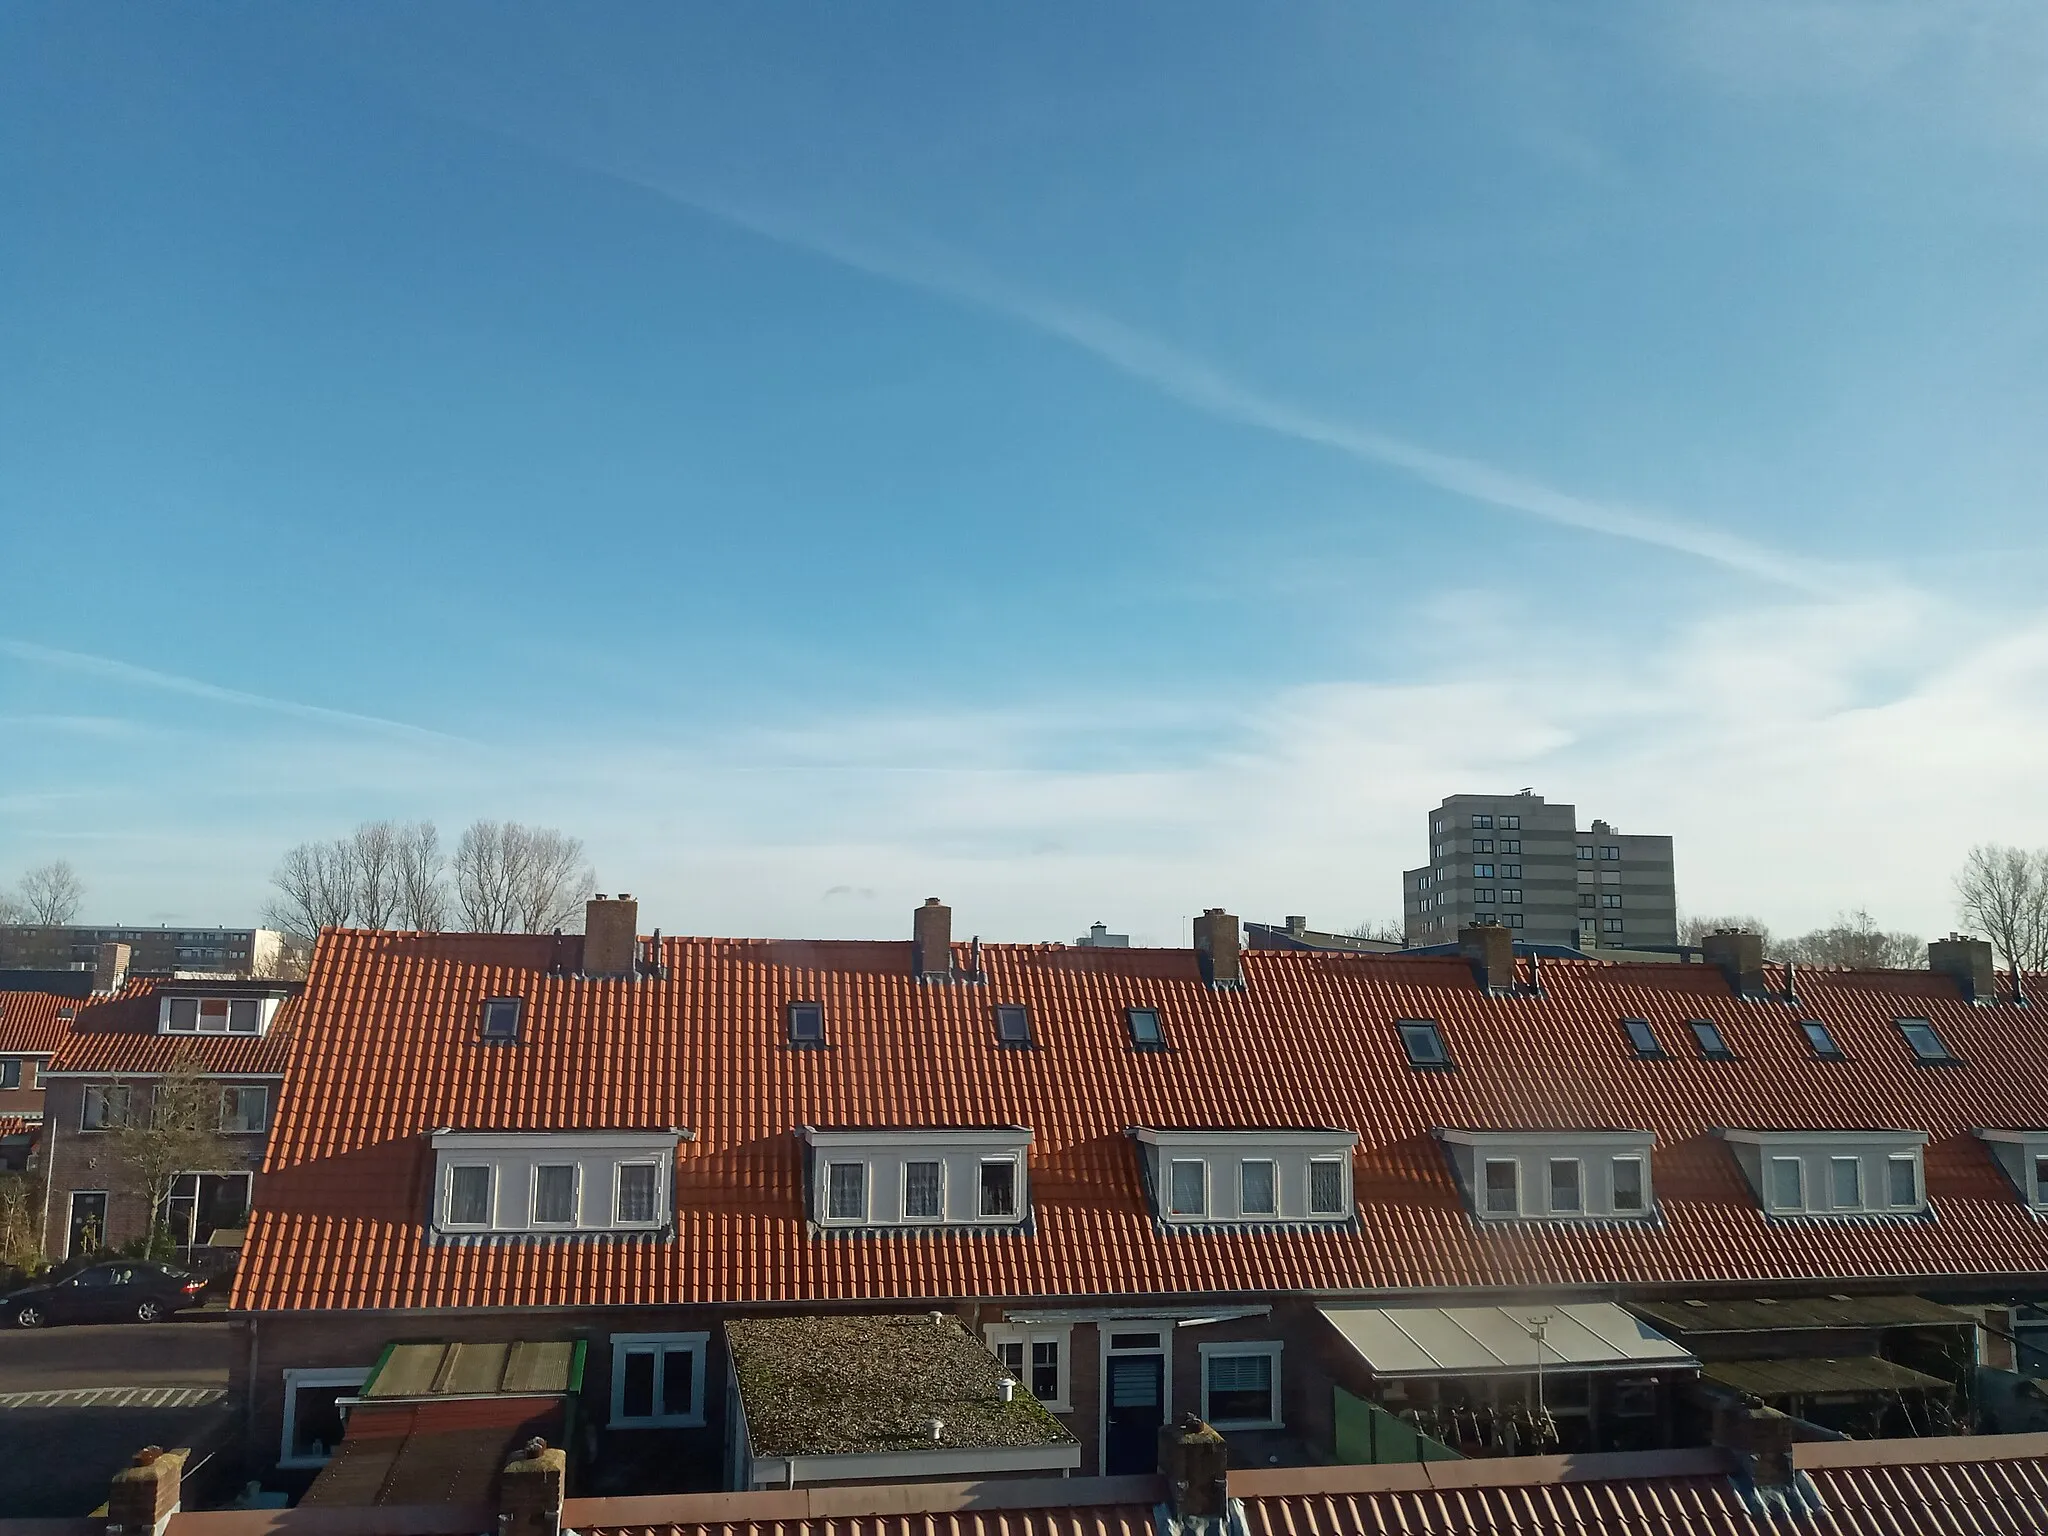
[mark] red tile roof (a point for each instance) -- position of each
(30, 1024)
(21, 1125)
(388, 1049)
(119, 1034)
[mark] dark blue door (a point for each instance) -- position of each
(1136, 1411)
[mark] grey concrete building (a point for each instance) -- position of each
(1525, 864)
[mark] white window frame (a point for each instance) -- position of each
(1270, 1348)
(1272, 1168)
(981, 1189)
(71, 1215)
(661, 1344)
(448, 1220)
(1343, 1210)
(1911, 1164)
(1641, 1166)
(619, 1221)
(575, 1197)
(1486, 1167)
(936, 1219)
(1550, 1166)
(1775, 1163)
(2035, 1161)
(294, 1380)
(1862, 1202)
(1173, 1210)
(240, 1088)
(515, 1157)
(1027, 1335)
(867, 1189)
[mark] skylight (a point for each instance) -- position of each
(1424, 1043)
(1925, 1043)
(501, 1019)
(1013, 1024)
(1818, 1037)
(1712, 1044)
(1147, 1034)
(806, 1023)
(1641, 1037)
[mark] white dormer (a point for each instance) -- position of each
(904, 1176)
(1219, 1174)
(541, 1183)
(1554, 1175)
(2024, 1157)
(190, 1013)
(1833, 1173)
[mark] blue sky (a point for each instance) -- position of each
(1087, 462)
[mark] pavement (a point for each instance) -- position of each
(77, 1402)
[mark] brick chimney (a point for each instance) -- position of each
(610, 937)
(1969, 961)
(1297, 926)
(1491, 949)
(1196, 1465)
(110, 968)
(530, 1491)
(1740, 954)
(145, 1494)
(931, 931)
(1760, 1440)
(1218, 942)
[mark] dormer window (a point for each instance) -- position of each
(2023, 1154)
(1013, 1025)
(536, 1183)
(1423, 1043)
(1820, 1039)
(1147, 1034)
(1921, 1039)
(1275, 1176)
(959, 1176)
(806, 1023)
(501, 1020)
(1552, 1175)
(215, 1015)
(1641, 1038)
(1833, 1173)
(1708, 1037)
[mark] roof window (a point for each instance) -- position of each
(1147, 1034)
(1013, 1025)
(1642, 1038)
(1822, 1042)
(501, 1019)
(1424, 1043)
(1926, 1045)
(806, 1021)
(1712, 1043)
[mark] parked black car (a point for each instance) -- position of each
(105, 1293)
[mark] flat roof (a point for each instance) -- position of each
(522, 1368)
(1766, 1314)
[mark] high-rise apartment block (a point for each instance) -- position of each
(1518, 862)
(65, 946)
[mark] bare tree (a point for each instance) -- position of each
(371, 854)
(170, 1128)
(51, 893)
(1691, 930)
(1855, 940)
(316, 889)
(11, 909)
(21, 1244)
(2002, 893)
(1388, 930)
(515, 879)
(422, 894)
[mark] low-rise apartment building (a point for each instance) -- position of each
(162, 950)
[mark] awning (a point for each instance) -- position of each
(1807, 1378)
(1504, 1341)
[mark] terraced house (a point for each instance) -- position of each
(1345, 1207)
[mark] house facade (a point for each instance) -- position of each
(31, 1025)
(1324, 1201)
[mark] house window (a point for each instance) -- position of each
(1818, 1037)
(1482, 845)
(1925, 1043)
(923, 1191)
(245, 1016)
(313, 1418)
(104, 1107)
(806, 1023)
(1585, 853)
(1902, 1182)
(244, 1110)
(1641, 1038)
(10, 1073)
(1146, 1032)
(1564, 1185)
(634, 1194)
(501, 1020)
(1482, 871)
(1483, 823)
(1611, 925)
(1188, 1187)
(1036, 1358)
(554, 1195)
(1610, 898)
(1326, 1186)
(1241, 1385)
(1256, 1194)
(1423, 1043)
(469, 1195)
(658, 1380)
(846, 1192)
(1788, 1183)
(1013, 1024)
(1628, 1183)
(1845, 1183)
(998, 1186)
(1712, 1043)
(1503, 1186)
(183, 1016)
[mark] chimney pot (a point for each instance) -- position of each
(611, 937)
(1491, 950)
(1218, 947)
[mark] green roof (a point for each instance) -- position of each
(835, 1386)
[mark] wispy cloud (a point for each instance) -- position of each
(112, 670)
(918, 263)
